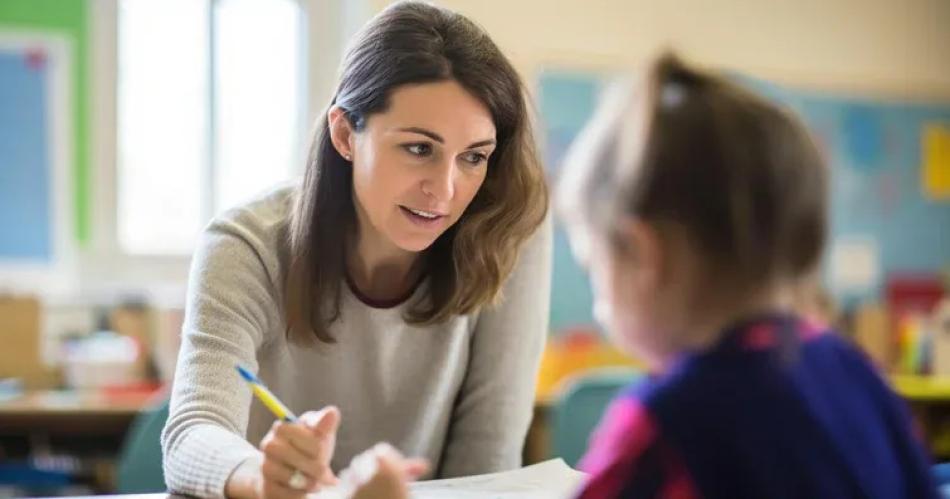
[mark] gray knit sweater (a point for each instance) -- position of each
(459, 393)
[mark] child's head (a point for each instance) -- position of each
(693, 201)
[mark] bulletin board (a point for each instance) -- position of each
(35, 159)
(890, 183)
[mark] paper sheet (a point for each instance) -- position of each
(548, 480)
(552, 479)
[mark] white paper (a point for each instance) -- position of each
(552, 479)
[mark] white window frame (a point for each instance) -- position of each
(105, 270)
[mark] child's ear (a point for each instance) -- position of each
(642, 247)
(341, 132)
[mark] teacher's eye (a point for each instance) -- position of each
(420, 149)
(475, 158)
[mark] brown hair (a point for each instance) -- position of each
(412, 43)
(738, 177)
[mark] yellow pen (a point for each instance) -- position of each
(266, 397)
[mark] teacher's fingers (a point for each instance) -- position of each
(281, 451)
(323, 425)
(301, 438)
(281, 474)
(323, 422)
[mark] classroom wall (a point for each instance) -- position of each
(873, 46)
(67, 18)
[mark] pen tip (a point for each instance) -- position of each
(245, 374)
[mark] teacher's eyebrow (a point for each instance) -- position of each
(438, 138)
(486, 142)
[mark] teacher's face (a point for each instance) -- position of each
(418, 164)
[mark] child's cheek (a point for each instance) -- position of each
(609, 311)
(603, 295)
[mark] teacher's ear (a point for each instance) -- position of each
(341, 132)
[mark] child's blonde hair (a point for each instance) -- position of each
(735, 175)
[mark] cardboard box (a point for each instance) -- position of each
(20, 343)
(872, 332)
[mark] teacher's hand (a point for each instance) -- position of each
(297, 455)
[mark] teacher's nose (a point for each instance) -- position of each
(439, 182)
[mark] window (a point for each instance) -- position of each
(210, 112)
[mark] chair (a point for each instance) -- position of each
(140, 461)
(580, 407)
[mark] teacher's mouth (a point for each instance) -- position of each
(423, 218)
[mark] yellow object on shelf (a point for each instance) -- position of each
(921, 388)
(571, 354)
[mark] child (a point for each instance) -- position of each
(700, 209)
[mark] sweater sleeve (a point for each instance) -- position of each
(230, 304)
(496, 402)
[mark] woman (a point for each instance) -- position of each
(401, 291)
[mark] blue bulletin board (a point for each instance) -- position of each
(874, 148)
(34, 157)
(24, 159)
(566, 101)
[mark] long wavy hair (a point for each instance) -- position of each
(414, 43)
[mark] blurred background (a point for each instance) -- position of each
(125, 125)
